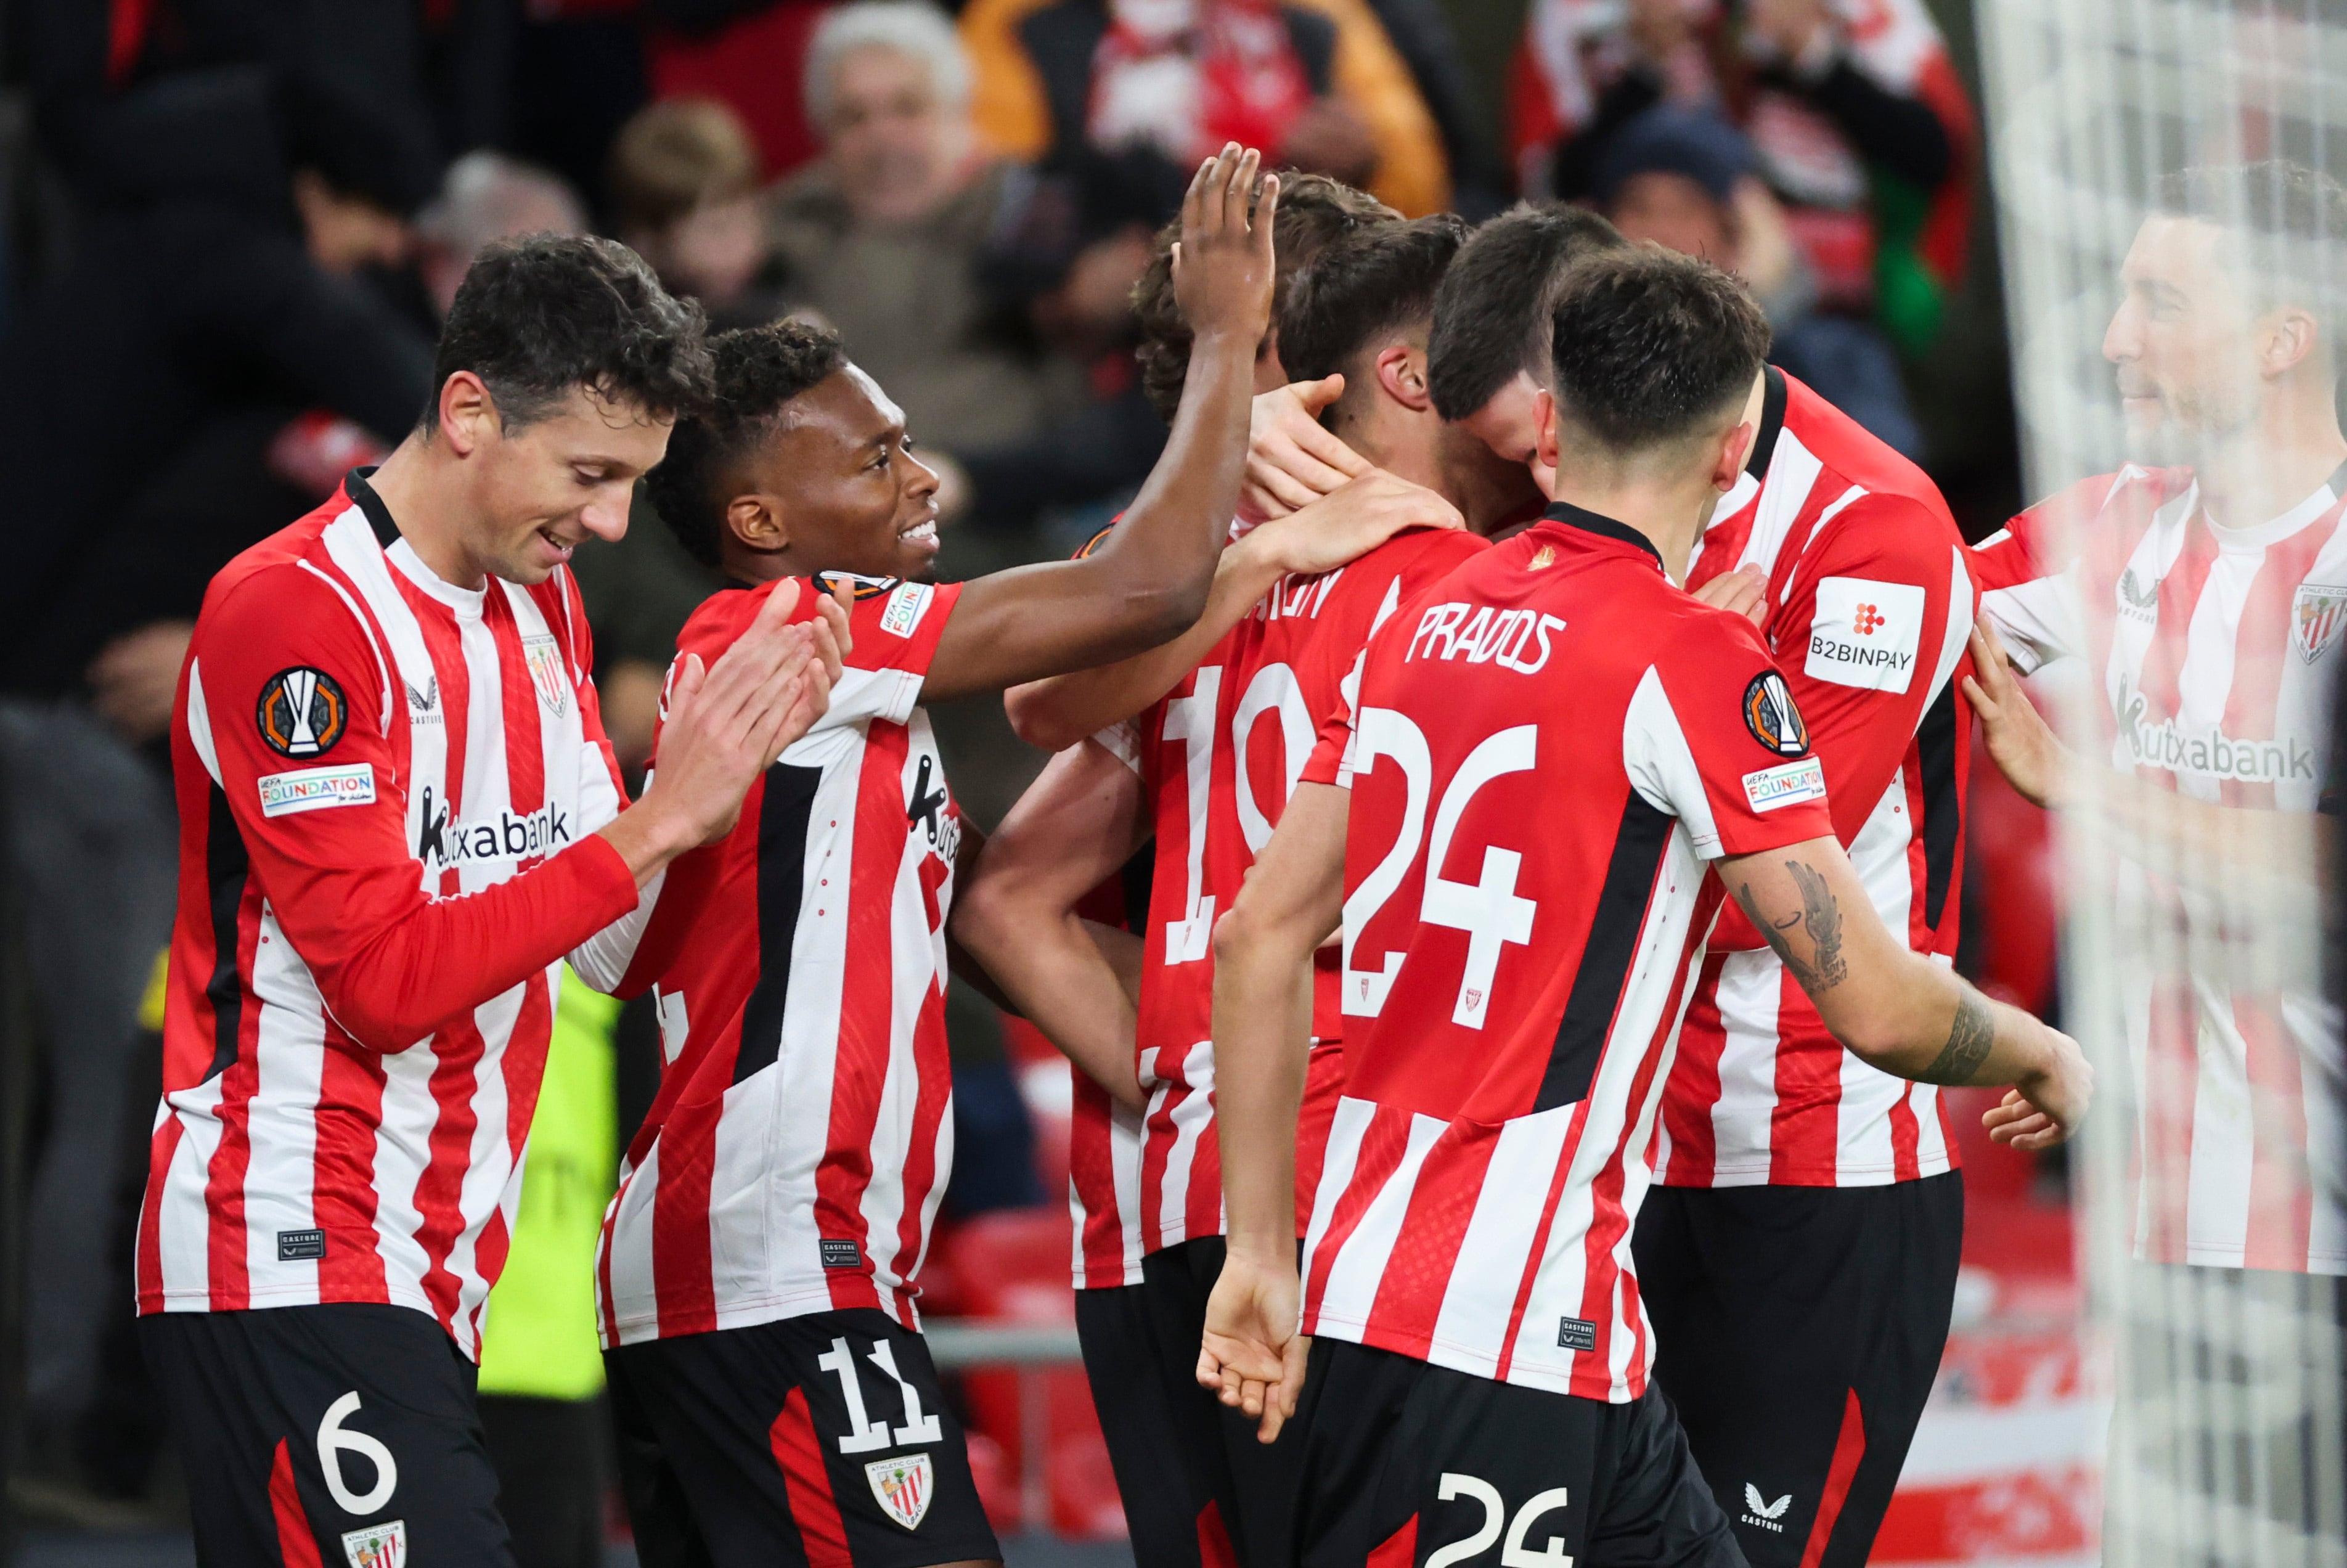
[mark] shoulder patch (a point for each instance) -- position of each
(1771, 717)
(317, 789)
(301, 712)
(907, 602)
(1865, 633)
(1787, 784)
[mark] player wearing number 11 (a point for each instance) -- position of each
(1556, 749)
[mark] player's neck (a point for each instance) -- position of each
(1398, 440)
(1671, 516)
(2266, 468)
(423, 486)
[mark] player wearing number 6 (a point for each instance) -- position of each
(1561, 767)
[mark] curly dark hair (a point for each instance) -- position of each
(1646, 345)
(1314, 209)
(1363, 288)
(757, 372)
(1489, 323)
(538, 317)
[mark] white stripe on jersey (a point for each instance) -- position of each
(1124, 1155)
(1359, 1266)
(292, 1056)
(1481, 1296)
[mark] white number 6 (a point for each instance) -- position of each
(331, 1436)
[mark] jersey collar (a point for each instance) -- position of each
(363, 496)
(1772, 423)
(1566, 512)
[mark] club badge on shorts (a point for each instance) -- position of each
(1769, 714)
(547, 672)
(377, 1546)
(301, 712)
(904, 1486)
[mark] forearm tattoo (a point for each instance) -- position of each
(1823, 968)
(1969, 1039)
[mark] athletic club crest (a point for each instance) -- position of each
(547, 673)
(904, 1486)
(377, 1546)
(2317, 613)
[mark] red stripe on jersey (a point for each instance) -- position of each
(1434, 1223)
(807, 1479)
(1804, 1127)
(2261, 643)
(1383, 1143)
(457, 1052)
(934, 1066)
(343, 1176)
(861, 1073)
(295, 1542)
(224, 1187)
(2172, 1070)
(160, 1150)
(2281, 1180)
(1695, 1080)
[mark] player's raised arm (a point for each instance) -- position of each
(1076, 826)
(1151, 579)
(1361, 514)
(1897, 1010)
(1293, 902)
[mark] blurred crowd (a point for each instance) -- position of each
(228, 228)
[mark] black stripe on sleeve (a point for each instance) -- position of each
(1607, 956)
(1935, 753)
(783, 813)
(227, 865)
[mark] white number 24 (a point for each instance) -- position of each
(1488, 909)
(1514, 1553)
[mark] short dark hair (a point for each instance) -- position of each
(537, 317)
(1491, 308)
(1646, 345)
(758, 371)
(2291, 220)
(1363, 287)
(1314, 211)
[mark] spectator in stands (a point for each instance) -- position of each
(685, 198)
(1862, 129)
(1157, 84)
(886, 235)
(487, 197)
(215, 297)
(1688, 179)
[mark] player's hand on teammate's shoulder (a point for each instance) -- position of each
(1223, 263)
(1293, 459)
(1251, 1356)
(1353, 519)
(2022, 745)
(1744, 591)
(2045, 1108)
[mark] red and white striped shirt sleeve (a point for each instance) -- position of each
(325, 822)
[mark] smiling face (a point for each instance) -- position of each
(839, 476)
(2186, 341)
(540, 492)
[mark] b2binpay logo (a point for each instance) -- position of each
(509, 835)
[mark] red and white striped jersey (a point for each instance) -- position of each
(2216, 652)
(1548, 754)
(1220, 755)
(1103, 1137)
(794, 1156)
(1869, 604)
(389, 790)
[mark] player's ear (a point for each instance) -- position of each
(1545, 416)
(1401, 374)
(2288, 336)
(1728, 462)
(468, 414)
(757, 522)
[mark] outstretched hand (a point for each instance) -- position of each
(1356, 518)
(2022, 745)
(1293, 459)
(1223, 262)
(1251, 1355)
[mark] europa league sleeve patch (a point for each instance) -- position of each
(1769, 714)
(302, 712)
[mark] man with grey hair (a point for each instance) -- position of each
(485, 197)
(883, 235)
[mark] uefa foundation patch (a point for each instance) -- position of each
(1785, 786)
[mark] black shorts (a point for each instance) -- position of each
(1199, 1488)
(1404, 1460)
(1799, 1331)
(750, 1448)
(336, 1434)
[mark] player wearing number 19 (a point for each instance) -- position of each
(1562, 764)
